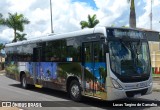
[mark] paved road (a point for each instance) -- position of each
(10, 90)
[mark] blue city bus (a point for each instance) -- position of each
(107, 63)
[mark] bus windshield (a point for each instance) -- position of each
(129, 58)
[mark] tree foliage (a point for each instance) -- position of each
(16, 22)
(1, 19)
(1, 46)
(91, 23)
(20, 37)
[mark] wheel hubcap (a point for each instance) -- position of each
(75, 90)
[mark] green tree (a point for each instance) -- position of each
(1, 19)
(1, 46)
(20, 37)
(125, 26)
(132, 18)
(112, 25)
(91, 23)
(16, 22)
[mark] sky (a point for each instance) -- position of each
(67, 15)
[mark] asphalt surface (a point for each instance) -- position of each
(10, 90)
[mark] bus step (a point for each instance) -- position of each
(38, 86)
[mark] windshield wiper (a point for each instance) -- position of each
(139, 45)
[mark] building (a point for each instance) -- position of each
(153, 38)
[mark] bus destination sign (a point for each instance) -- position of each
(120, 33)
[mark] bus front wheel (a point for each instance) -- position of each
(75, 90)
(24, 81)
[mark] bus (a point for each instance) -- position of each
(106, 63)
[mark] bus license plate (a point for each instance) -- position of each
(137, 95)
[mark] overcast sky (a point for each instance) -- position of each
(68, 13)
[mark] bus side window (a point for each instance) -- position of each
(37, 54)
(99, 52)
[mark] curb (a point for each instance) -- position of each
(156, 78)
(2, 72)
(156, 89)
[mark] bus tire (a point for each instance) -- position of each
(75, 91)
(24, 82)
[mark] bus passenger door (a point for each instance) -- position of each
(36, 65)
(94, 69)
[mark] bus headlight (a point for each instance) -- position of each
(116, 84)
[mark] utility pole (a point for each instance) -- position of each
(51, 17)
(151, 16)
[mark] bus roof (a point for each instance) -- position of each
(53, 36)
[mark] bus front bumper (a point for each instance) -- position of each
(115, 94)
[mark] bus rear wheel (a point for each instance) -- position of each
(75, 90)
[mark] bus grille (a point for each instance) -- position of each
(132, 93)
